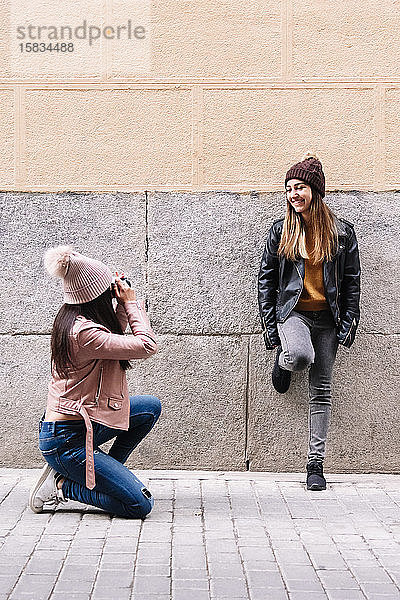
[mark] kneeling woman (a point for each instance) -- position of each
(88, 402)
(309, 289)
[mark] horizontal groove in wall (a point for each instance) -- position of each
(188, 334)
(245, 188)
(187, 81)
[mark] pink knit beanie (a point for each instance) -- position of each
(84, 278)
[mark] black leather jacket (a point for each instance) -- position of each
(280, 283)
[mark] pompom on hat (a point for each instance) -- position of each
(309, 169)
(84, 279)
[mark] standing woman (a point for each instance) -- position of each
(309, 290)
(88, 402)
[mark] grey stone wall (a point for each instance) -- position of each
(195, 258)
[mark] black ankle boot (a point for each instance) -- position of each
(280, 377)
(315, 476)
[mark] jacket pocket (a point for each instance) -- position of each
(114, 403)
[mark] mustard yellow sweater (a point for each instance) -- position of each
(313, 294)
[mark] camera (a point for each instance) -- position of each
(124, 279)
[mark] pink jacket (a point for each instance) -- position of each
(97, 388)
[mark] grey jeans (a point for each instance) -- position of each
(309, 339)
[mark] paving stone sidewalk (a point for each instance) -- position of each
(211, 536)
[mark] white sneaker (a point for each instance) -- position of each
(45, 491)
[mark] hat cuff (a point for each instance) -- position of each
(304, 175)
(90, 292)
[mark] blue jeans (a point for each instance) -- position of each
(118, 490)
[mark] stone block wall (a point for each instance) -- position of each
(221, 96)
(194, 257)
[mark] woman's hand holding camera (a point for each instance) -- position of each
(122, 292)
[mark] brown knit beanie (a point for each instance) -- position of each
(84, 278)
(309, 169)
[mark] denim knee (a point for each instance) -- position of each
(142, 507)
(153, 405)
(300, 361)
(147, 507)
(147, 404)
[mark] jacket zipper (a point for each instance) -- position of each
(302, 284)
(96, 399)
(337, 290)
(353, 324)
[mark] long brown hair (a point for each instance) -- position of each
(322, 223)
(100, 310)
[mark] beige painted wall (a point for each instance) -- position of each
(227, 95)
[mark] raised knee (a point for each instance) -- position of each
(301, 361)
(154, 406)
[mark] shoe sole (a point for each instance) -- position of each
(316, 488)
(279, 389)
(45, 472)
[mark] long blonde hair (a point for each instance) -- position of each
(322, 223)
